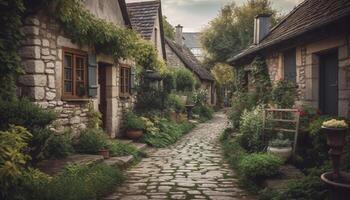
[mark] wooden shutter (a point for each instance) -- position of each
(132, 80)
(92, 74)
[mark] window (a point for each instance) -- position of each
(125, 81)
(290, 71)
(74, 74)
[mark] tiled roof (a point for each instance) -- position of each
(143, 16)
(190, 61)
(308, 16)
(192, 40)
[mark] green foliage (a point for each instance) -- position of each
(12, 158)
(307, 115)
(168, 134)
(205, 112)
(174, 102)
(91, 141)
(251, 129)
(199, 97)
(59, 146)
(169, 82)
(259, 165)
(308, 187)
(223, 74)
(84, 28)
(232, 150)
(10, 37)
(24, 113)
(132, 121)
(169, 30)
(94, 117)
(81, 182)
(284, 94)
(261, 80)
(150, 99)
(184, 80)
(121, 149)
(232, 30)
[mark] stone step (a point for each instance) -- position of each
(122, 161)
(125, 141)
(55, 166)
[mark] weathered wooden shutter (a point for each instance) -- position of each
(132, 80)
(92, 74)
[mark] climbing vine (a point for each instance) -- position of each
(240, 81)
(10, 36)
(261, 79)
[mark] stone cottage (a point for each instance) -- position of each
(180, 56)
(147, 19)
(310, 47)
(66, 77)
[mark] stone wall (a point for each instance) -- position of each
(41, 54)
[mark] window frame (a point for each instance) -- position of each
(75, 54)
(125, 81)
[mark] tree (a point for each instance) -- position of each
(232, 30)
(223, 74)
(169, 30)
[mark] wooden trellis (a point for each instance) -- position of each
(280, 116)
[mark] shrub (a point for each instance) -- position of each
(81, 182)
(12, 158)
(169, 133)
(200, 97)
(174, 102)
(169, 82)
(205, 112)
(233, 151)
(283, 94)
(120, 149)
(308, 187)
(252, 130)
(91, 141)
(24, 113)
(240, 102)
(132, 121)
(259, 165)
(149, 99)
(184, 80)
(33, 185)
(59, 146)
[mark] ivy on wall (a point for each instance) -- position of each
(10, 36)
(261, 79)
(80, 25)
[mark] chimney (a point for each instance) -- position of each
(261, 27)
(178, 35)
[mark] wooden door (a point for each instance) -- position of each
(102, 106)
(329, 83)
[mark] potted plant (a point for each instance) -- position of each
(337, 181)
(104, 152)
(134, 125)
(280, 147)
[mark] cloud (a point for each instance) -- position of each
(195, 14)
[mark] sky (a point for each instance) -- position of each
(194, 15)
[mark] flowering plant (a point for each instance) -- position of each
(333, 123)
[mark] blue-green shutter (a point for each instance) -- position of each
(132, 80)
(92, 74)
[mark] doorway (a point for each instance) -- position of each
(102, 105)
(328, 101)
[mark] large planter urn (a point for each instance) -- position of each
(337, 181)
(282, 152)
(104, 153)
(134, 134)
(189, 111)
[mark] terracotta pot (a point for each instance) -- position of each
(134, 134)
(104, 153)
(283, 152)
(173, 116)
(339, 189)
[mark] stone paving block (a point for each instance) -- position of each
(193, 168)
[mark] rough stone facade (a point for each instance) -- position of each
(308, 66)
(41, 55)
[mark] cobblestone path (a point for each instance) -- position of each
(193, 168)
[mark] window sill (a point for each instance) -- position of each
(76, 100)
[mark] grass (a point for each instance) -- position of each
(117, 148)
